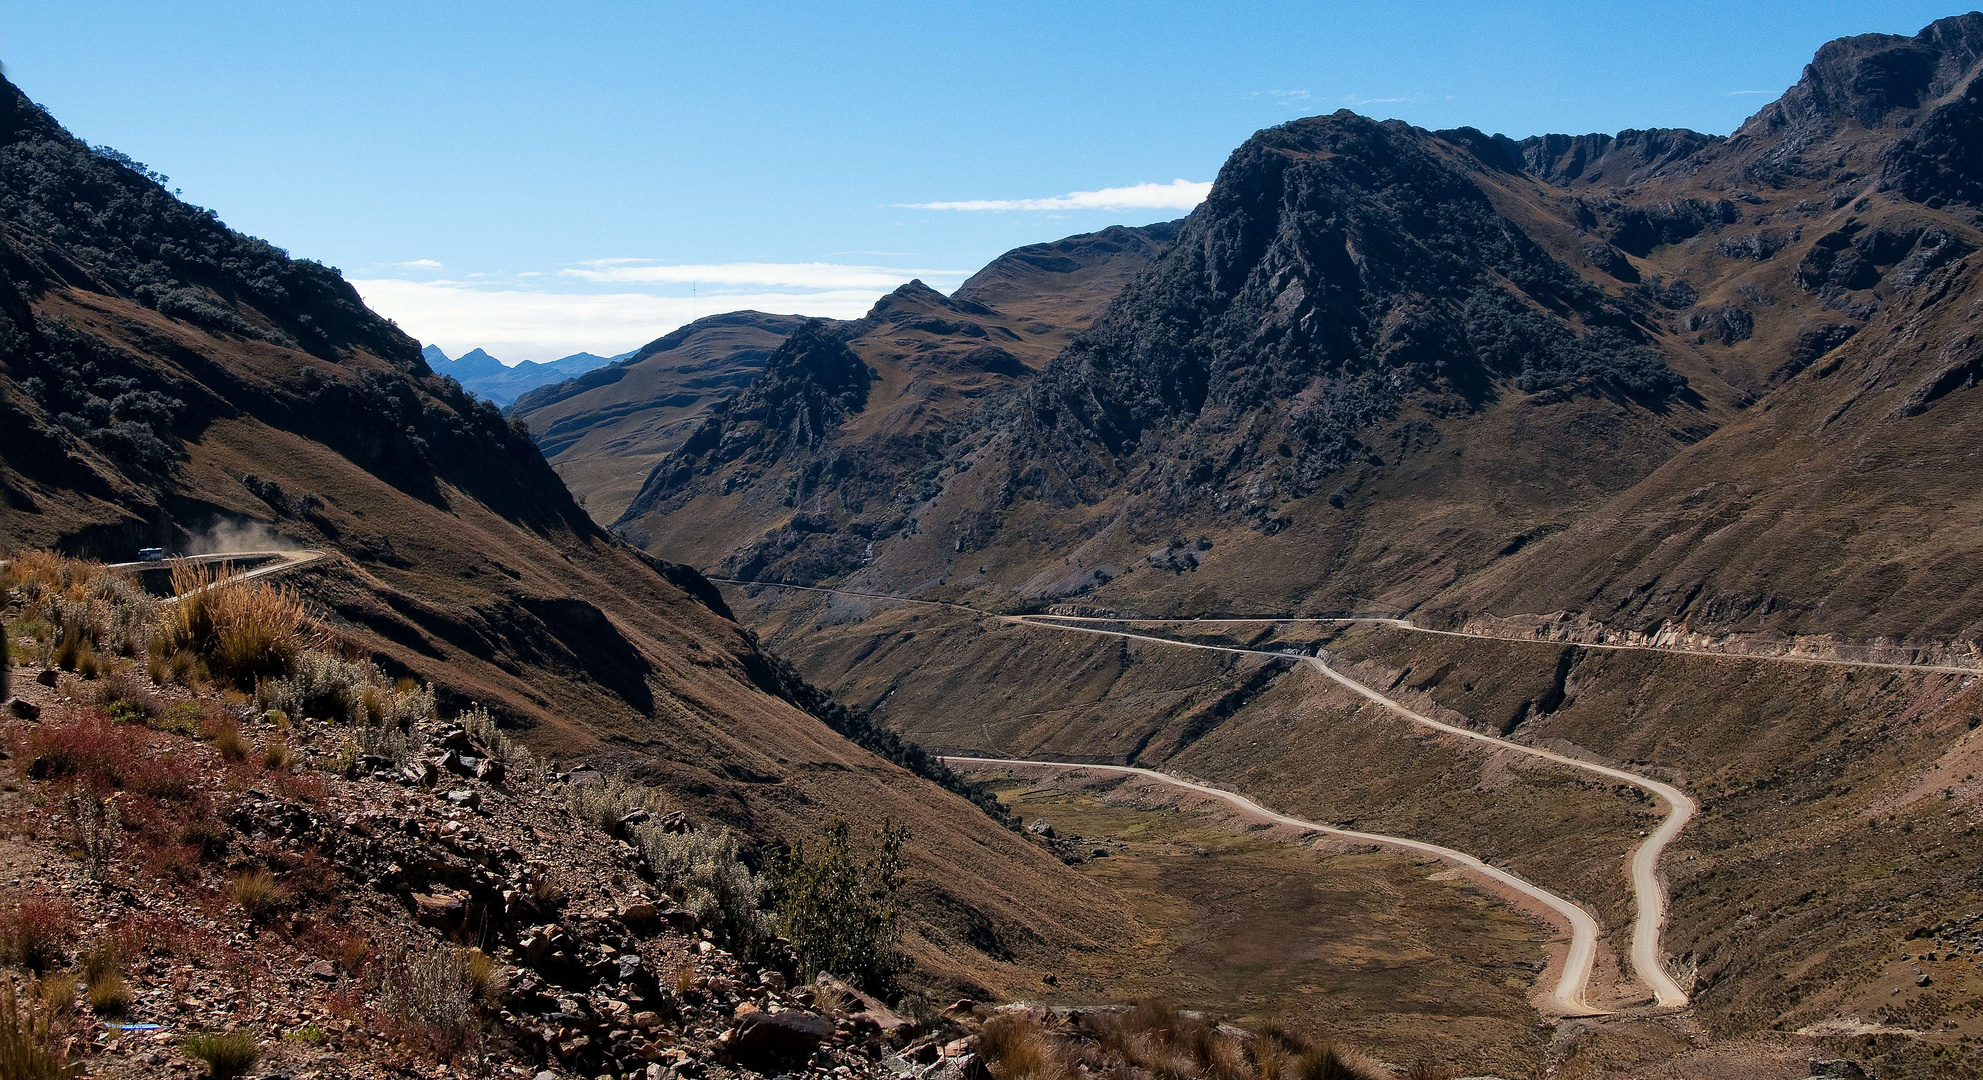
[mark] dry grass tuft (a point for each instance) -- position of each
(227, 1054)
(246, 630)
(227, 739)
(257, 893)
(27, 1036)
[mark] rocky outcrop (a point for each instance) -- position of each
(1338, 266)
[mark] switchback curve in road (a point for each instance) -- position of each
(1567, 998)
(1648, 960)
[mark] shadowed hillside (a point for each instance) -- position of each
(163, 378)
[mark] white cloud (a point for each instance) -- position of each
(1741, 93)
(519, 324)
(419, 264)
(754, 275)
(1176, 195)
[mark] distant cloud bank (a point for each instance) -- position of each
(816, 275)
(1176, 195)
(525, 317)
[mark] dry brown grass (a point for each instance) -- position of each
(28, 1028)
(1157, 1040)
(227, 1054)
(232, 745)
(257, 893)
(246, 630)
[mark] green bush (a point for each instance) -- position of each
(840, 911)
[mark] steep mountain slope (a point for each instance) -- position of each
(485, 376)
(1645, 377)
(1844, 504)
(605, 432)
(161, 376)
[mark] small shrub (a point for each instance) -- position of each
(257, 893)
(353, 953)
(85, 745)
(173, 862)
(606, 802)
(94, 827)
(324, 686)
(839, 911)
(127, 699)
(311, 1034)
(27, 1037)
(188, 718)
(278, 756)
(430, 993)
(702, 870)
(227, 1054)
(209, 838)
(35, 934)
(168, 777)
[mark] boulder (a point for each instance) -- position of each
(441, 908)
(782, 1039)
(26, 710)
(1838, 1069)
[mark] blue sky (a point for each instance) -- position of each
(538, 179)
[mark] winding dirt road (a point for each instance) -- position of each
(1648, 960)
(1567, 998)
(278, 562)
(1408, 625)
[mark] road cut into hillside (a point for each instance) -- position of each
(1648, 960)
(1573, 980)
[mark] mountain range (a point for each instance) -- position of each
(166, 381)
(1658, 387)
(1410, 468)
(485, 376)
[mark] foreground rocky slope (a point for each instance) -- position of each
(164, 380)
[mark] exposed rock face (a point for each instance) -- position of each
(1337, 265)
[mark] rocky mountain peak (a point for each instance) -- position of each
(1338, 264)
(1869, 78)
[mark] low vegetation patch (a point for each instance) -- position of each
(27, 1036)
(1154, 1039)
(227, 1055)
